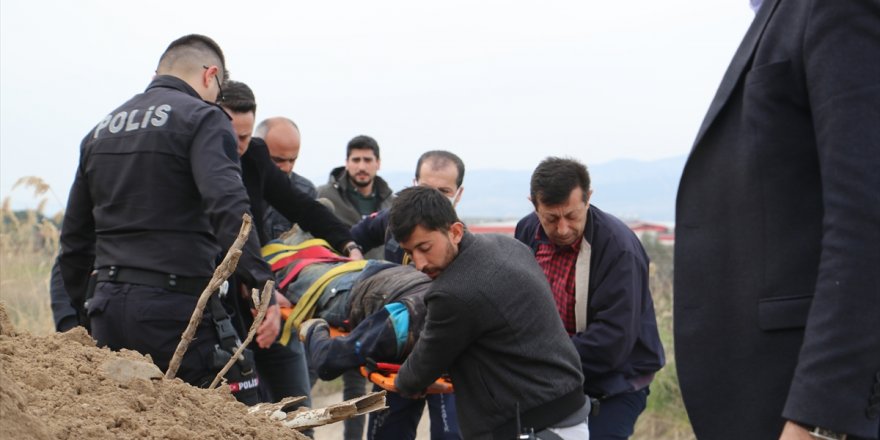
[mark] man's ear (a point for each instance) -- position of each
(589, 196)
(456, 232)
(534, 205)
(208, 75)
(458, 197)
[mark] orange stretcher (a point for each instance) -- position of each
(383, 374)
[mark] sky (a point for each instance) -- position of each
(503, 84)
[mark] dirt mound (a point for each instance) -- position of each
(63, 387)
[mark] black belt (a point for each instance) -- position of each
(188, 285)
(542, 416)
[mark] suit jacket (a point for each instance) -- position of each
(266, 185)
(777, 256)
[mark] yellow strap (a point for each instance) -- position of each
(273, 248)
(305, 308)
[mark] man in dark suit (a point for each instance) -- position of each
(777, 255)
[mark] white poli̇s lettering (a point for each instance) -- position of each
(147, 116)
(131, 125)
(102, 125)
(161, 116)
(117, 122)
(155, 116)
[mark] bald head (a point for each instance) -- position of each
(283, 139)
(198, 60)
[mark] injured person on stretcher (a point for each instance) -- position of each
(377, 305)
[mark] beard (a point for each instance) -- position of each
(434, 271)
(360, 183)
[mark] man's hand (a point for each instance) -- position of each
(793, 431)
(417, 396)
(270, 327)
(356, 254)
(282, 300)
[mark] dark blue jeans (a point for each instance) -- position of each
(401, 420)
(328, 358)
(617, 415)
(283, 371)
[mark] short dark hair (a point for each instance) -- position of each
(238, 97)
(439, 159)
(362, 143)
(420, 206)
(180, 47)
(555, 179)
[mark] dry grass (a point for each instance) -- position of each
(665, 417)
(28, 245)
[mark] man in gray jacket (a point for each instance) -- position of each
(491, 324)
(355, 189)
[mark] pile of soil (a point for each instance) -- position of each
(62, 386)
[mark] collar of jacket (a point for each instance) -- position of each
(173, 82)
(466, 240)
(339, 180)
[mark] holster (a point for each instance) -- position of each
(242, 376)
(82, 311)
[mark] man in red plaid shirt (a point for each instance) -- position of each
(598, 272)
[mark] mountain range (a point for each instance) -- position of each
(629, 189)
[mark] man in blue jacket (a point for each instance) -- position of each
(598, 272)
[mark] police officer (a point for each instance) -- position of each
(157, 197)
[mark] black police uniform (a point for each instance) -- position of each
(157, 197)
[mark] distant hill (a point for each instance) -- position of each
(630, 189)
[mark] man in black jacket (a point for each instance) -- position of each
(283, 370)
(598, 272)
(283, 138)
(491, 323)
(156, 198)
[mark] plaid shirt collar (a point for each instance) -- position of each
(558, 264)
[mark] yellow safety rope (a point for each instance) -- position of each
(279, 250)
(305, 308)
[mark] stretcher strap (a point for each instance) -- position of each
(302, 263)
(305, 308)
(280, 261)
(270, 250)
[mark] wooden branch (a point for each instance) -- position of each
(223, 271)
(262, 303)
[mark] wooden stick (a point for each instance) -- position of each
(312, 418)
(223, 271)
(262, 303)
(305, 418)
